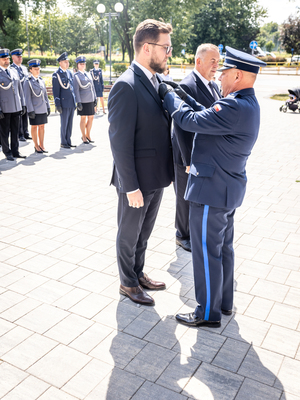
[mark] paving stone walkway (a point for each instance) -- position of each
(66, 333)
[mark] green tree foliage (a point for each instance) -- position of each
(290, 34)
(269, 32)
(270, 45)
(230, 22)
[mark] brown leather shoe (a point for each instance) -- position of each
(137, 294)
(148, 283)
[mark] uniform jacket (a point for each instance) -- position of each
(22, 71)
(225, 135)
(139, 134)
(63, 90)
(36, 97)
(194, 86)
(84, 88)
(11, 92)
(97, 80)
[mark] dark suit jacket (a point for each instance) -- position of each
(194, 86)
(63, 97)
(139, 134)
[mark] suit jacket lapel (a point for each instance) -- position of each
(203, 88)
(148, 85)
(216, 87)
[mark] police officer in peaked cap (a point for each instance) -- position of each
(12, 105)
(97, 76)
(225, 135)
(17, 56)
(64, 98)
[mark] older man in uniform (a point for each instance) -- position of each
(225, 136)
(200, 85)
(64, 98)
(12, 104)
(16, 56)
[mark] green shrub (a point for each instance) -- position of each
(119, 68)
(53, 61)
(270, 59)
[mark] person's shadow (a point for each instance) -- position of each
(151, 356)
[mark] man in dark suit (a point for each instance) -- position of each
(140, 140)
(200, 85)
(225, 135)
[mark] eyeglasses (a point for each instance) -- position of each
(167, 48)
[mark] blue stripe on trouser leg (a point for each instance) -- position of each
(205, 259)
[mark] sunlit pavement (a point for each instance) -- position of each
(66, 333)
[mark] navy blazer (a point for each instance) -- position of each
(63, 90)
(194, 86)
(139, 134)
(225, 136)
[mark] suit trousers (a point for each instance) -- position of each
(213, 259)
(10, 123)
(66, 125)
(23, 129)
(182, 206)
(134, 229)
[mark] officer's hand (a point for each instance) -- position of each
(187, 169)
(59, 109)
(163, 89)
(2, 115)
(79, 106)
(171, 83)
(23, 110)
(31, 114)
(180, 92)
(48, 111)
(135, 199)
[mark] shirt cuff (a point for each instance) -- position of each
(133, 191)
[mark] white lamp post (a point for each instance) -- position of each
(101, 10)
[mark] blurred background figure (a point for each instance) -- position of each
(165, 76)
(86, 99)
(96, 73)
(17, 57)
(38, 107)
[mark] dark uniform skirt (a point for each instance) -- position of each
(98, 90)
(87, 109)
(40, 119)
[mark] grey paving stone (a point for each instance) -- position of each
(200, 344)
(261, 365)
(29, 389)
(118, 384)
(10, 377)
(166, 333)
(231, 355)
(259, 308)
(288, 376)
(282, 340)
(142, 324)
(178, 372)
(91, 338)
(118, 349)
(151, 362)
(211, 383)
(269, 290)
(253, 390)
(150, 391)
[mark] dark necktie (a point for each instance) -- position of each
(213, 91)
(7, 71)
(155, 82)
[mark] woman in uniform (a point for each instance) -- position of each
(37, 103)
(86, 99)
(96, 73)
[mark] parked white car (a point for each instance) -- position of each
(296, 58)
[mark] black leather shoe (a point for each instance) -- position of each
(149, 284)
(27, 137)
(184, 243)
(191, 319)
(85, 141)
(44, 151)
(10, 158)
(40, 151)
(226, 312)
(72, 145)
(65, 146)
(137, 295)
(22, 139)
(19, 155)
(90, 141)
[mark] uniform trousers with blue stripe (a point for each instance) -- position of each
(66, 125)
(211, 231)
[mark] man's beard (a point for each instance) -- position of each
(159, 68)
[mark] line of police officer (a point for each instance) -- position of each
(13, 112)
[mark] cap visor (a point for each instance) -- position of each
(223, 68)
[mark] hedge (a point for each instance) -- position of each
(119, 68)
(52, 61)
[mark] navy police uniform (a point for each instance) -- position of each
(23, 74)
(64, 98)
(225, 135)
(97, 80)
(193, 86)
(12, 104)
